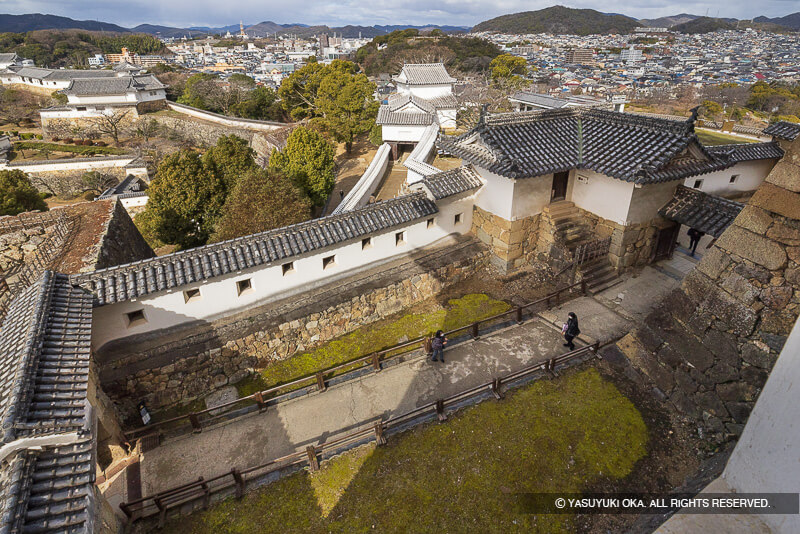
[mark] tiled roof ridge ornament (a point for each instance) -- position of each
(693, 118)
(482, 116)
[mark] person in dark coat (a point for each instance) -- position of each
(437, 344)
(571, 330)
(694, 239)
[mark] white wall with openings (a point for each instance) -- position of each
(224, 295)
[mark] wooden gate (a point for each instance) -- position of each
(591, 250)
(666, 241)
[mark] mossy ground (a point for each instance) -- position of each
(562, 435)
(459, 312)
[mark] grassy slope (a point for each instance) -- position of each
(714, 138)
(460, 312)
(552, 436)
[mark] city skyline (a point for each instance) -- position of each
(182, 13)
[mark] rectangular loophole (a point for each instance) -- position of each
(328, 262)
(430, 223)
(400, 238)
(244, 286)
(734, 178)
(287, 268)
(366, 243)
(698, 184)
(191, 295)
(135, 318)
(457, 218)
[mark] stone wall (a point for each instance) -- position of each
(121, 242)
(203, 134)
(85, 127)
(68, 182)
(708, 348)
(186, 365)
(513, 242)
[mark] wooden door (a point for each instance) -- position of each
(559, 191)
(666, 241)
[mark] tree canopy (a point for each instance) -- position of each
(346, 105)
(308, 161)
(508, 67)
(237, 96)
(262, 200)
(17, 195)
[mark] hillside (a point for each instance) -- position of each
(704, 25)
(405, 46)
(789, 21)
(559, 20)
(65, 48)
(668, 22)
(37, 21)
(166, 31)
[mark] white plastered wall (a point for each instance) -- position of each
(402, 134)
(750, 175)
(219, 298)
(602, 195)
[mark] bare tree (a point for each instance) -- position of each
(111, 123)
(147, 128)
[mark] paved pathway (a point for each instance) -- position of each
(319, 417)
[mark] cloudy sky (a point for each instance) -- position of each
(183, 13)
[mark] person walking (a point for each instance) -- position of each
(694, 239)
(437, 344)
(571, 330)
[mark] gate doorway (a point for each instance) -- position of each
(559, 191)
(666, 241)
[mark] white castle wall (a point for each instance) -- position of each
(227, 121)
(751, 175)
(219, 295)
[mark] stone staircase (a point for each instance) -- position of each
(571, 230)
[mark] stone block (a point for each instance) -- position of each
(722, 345)
(754, 376)
(777, 200)
(739, 411)
(785, 175)
(483, 236)
(721, 372)
(754, 219)
(776, 297)
(714, 262)
(753, 247)
(736, 392)
(785, 233)
(752, 272)
(758, 357)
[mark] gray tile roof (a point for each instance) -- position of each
(131, 184)
(133, 280)
(45, 347)
(783, 130)
(403, 118)
(8, 57)
(452, 182)
(59, 74)
(398, 101)
(747, 151)
(113, 86)
(707, 213)
(622, 145)
(425, 74)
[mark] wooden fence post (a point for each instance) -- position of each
(440, 413)
(259, 398)
(239, 479)
(320, 382)
(196, 426)
(313, 462)
(380, 439)
(206, 493)
(519, 314)
(495, 387)
(475, 334)
(376, 362)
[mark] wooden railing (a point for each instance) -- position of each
(203, 488)
(275, 394)
(591, 250)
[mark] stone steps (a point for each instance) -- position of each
(599, 275)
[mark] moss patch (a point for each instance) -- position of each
(552, 436)
(177, 411)
(459, 312)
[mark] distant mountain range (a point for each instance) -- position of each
(38, 21)
(556, 19)
(560, 19)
